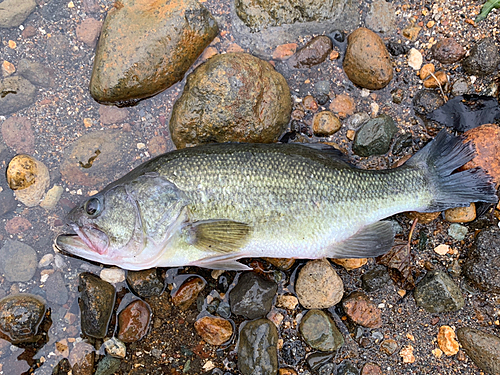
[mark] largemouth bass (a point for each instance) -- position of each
(211, 205)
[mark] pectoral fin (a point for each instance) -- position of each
(221, 236)
(371, 241)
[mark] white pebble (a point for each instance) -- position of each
(140, 146)
(46, 260)
(112, 275)
(115, 347)
(52, 197)
(442, 249)
(415, 59)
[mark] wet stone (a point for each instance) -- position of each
(187, 293)
(82, 358)
(17, 132)
(18, 261)
(8, 202)
(88, 31)
(313, 53)
(228, 87)
(362, 311)
(36, 73)
(112, 115)
(318, 359)
(263, 14)
(320, 332)
(16, 93)
(281, 263)
(327, 369)
(115, 347)
(457, 231)
(17, 225)
(253, 296)
(459, 87)
(20, 317)
(133, 321)
(325, 124)
(318, 285)
(29, 178)
(347, 368)
(97, 300)
(106, 147)
(483, 348)
(437, 292)
(14, 12)
(257, 348)
(461, 214)
(55, 289)
(350, 263)
(426, 101)
(382, 17)
(107, 366)
(214, 330)
(483, 58)
(389, 346)
(447, 51)
(367, 62)
(375, 279)
(375, 136)
(148, 63)
(342, 104)
(371, 369)
(483, 262)
(146, 283)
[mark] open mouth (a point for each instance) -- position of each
(84, 242)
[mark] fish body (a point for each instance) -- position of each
(211, 205)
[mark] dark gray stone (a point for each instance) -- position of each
(375, 279)
(483, 58)
(426, 101)
(36, 73)
(483, 348)
(483, 262)
(460, 87)
(347, 368)
(146, 283)
(437, 292)
(253, 296)
(257, 348)
(320, 332)
(15, 93)
(20, 317)
(55, 289)
(14, 12)
(97, 300)
(55, 10)
(375, 136)
(314, 52)
(18, 261)
(107, 366)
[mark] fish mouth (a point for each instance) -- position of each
(85, 242)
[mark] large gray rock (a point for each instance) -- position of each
(145, 49)
(437, 292)
(14, 12)
(15, 93)
(257, 348)
(234, 97)
(483, 348)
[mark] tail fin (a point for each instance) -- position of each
(440, 158)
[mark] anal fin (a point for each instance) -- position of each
(370, 241)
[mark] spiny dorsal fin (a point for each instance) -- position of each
(222, 236)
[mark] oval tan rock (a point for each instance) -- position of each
(147, 46)
(367, 62)
(318, 285)
(29, 178)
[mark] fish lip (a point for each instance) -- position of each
(83, 246)
(84, 237)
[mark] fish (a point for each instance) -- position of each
(211, 205)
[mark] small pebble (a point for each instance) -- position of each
(362, 311)
(439, 79)
(461, 214)
(53, 195)
(343, 105)
(407, 354)
(288, 302)
(415, 59)
(447, 340)
(133, 321)
(325, 123)
(350, 264)
(46, 260)
(29, 178)
(188, 292)
(457, 231)
(426, 70)
(214, 330)
(112, 275)
(115, 348)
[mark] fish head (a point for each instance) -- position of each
(107, 226)
(127, 225)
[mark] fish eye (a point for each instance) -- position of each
(92, 207)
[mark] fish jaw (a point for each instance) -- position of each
(76, 245)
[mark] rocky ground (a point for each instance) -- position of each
(430, 306)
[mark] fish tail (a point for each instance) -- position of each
(439, 160)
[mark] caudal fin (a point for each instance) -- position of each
(440, 158)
